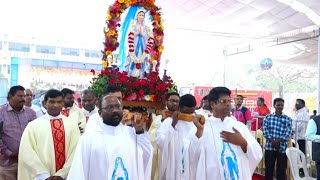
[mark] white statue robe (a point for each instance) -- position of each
(108, 153)
(223, 161)
(174, 145)
(37, 151)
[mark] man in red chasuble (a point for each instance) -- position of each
(48, 143)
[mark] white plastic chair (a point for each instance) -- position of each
(296, 160)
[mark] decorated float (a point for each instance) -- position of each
(132, 53)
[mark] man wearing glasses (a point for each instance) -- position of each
(113, 151)
(172, 103)
(172, 138)
(224, 147)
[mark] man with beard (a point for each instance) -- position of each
(72, 110)
(113, 90)
(223, 147)
(69, 105)
(48, 143)
(240, 112)
(112, 150)
(172, 102)
(14, 117)
(172, 138)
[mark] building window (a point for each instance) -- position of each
(45, 49)
(93, 54)
(70, 51)
(19, 47)
(0, 44)
(8, 69)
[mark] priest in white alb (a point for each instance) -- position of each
(173, 140)
(224, 148)
(48, 143)
(111, 150)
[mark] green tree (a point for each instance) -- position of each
(285, 78)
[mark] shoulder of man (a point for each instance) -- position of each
(316, 118)
(244, 109)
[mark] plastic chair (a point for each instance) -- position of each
(296, 160)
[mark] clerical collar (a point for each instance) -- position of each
(111, 129)
(53, 117)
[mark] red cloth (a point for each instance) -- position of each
(262, 111)
(65, 112)
(59, 142)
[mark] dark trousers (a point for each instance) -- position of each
(302, 145)
(270, 158)
(318, 170)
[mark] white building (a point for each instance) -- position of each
(37, 62)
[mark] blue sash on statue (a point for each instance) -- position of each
(139, 47)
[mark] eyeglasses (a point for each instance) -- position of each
(174, 101)
(112, 107)
(224, 101)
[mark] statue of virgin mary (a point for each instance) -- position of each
(139, 43)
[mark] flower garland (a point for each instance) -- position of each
(113, 24)
(133, 57)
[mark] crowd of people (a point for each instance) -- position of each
(102, 140)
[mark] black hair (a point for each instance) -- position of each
(172, 94)
(262, 101)
(52, 93)
(187, 100)
(111, 89)
(66, 91)
(217, 92)
(13, 90)
(141, 12)
(277, 100)
(314, 111)
(89, 91)
(302, 102)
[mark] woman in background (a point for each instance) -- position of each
(259, 113)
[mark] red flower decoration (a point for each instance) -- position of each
(141, 92)
(138, 65)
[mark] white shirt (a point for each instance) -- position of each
(301, 115)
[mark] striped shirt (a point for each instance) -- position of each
(12, 125)
(277, 128)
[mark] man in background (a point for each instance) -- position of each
(205, 108)
(69, 105)
(277, 129)
(29, 98)
(241, 113)
(89, 101)
(299, 124)
(172, 104)
(314, 114)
